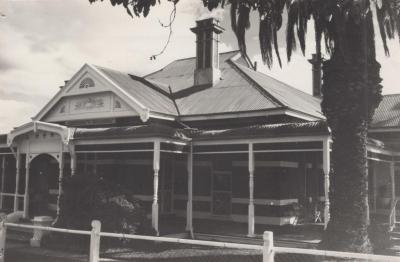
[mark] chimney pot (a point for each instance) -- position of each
(316, 62)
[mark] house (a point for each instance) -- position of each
(206, 137)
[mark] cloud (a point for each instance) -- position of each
(20, 114)
(6, 64)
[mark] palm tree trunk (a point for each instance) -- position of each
(351, 93)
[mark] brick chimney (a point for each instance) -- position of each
(207, 57)
(316, 62)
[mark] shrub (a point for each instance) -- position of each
(379, 234)
(88, 198)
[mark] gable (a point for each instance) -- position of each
(91, 95)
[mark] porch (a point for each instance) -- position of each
(254, 176)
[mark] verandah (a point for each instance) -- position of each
(221, 177)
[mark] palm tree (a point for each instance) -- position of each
(351, 86)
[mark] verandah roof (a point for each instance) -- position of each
(315, 128)
(155, 130)
(143, 131)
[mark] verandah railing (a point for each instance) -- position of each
(270, 253)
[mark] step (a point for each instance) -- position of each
(18, 236)
(395, 234)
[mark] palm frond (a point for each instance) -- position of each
(243, 23)
(270, 22)
(290, 35)
(388, 18)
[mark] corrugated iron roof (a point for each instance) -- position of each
(387, 115)
(152, 99)
(233, 93)
(179, 73)
(240, 89)
(287, 95)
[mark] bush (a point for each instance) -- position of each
(379, 234)
(88, 198)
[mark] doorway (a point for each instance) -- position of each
(166, 196)
(43, 188)
(222, 192)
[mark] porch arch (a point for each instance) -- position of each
(34, 139)
(42, 187)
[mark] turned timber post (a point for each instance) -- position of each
(156, 168)
(17, 174)
(26, 196)
(251, 192)
(326, 167)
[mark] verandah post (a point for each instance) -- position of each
(392, 180)
(156, 168)
(326, 167)
(60, 179)
(73, 160)
(251, 192)
(26, 196)
(94, 252)
(189, 208)
(268, 250)
(3, 174)
(18, 170)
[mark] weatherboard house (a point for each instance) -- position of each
(204, 138)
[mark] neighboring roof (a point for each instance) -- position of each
(265, 131)
(387, 115)
(149, 97)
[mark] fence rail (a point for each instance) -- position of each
(336, 254)
(268, 249)
(54, 229)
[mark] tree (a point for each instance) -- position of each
(351, 86)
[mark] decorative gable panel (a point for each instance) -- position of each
(89, 106)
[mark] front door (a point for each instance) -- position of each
(43, 188)
(222, 192)
(167, 189)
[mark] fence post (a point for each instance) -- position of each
(94, 242)
(268, 251)
(3, 232)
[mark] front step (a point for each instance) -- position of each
(18, 236)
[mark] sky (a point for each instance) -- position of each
(44, 42)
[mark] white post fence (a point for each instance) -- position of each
(268, 249)
(3, 235)
(94, 252)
